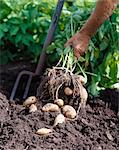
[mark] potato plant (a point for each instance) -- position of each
(24, 25)
(100, 63)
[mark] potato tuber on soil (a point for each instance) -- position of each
(43, 131)
(59, 119)
(59, 102)
(30, 100)
(32, 108)
(68, 91)
(81, 79)
(50, 107)
(69, 111)
(83, 96)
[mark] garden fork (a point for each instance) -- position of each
(42, 60)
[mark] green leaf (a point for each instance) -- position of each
(26, 41)
(59, 51)
(107, 70)
(103, 45)
(4, 27)
(101, 35)
(50, 49)
(4, 10)
(93, 89)
(29, 37)
(23, 27)
(14, 30)
(113, 72)
(18, 38)
(67, 50)
(15, 20)
(25, 13)
(1, 33)
(35, 49)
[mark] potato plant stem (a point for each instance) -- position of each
(83, 72)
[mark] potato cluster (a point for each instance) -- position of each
(65, 111)
(30, 103)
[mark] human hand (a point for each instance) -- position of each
(79, 42)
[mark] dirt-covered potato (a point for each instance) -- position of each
(59, 102)
(30, 100)
(43, 131)
(59, 119)
(50, 107)
(32, 108)
(68, 91)
(81, 79)
(83, 95)
(69, 111)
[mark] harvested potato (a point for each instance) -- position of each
(81, 79)
(43, 131)
(32, 108)
(69, 111)
(59, 102)
(83, 95)
(59, 119)
(83, 98)
(51, 107)
(68, 91)
(30, 100)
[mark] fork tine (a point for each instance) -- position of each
(27, 86)
(17, 82)
(15, 86)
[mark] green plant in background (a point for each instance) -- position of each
(101, 62)
(104, 55)
(24, 25)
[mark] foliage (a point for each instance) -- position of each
(101, 62)
(24, 25)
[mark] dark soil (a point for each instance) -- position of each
(97, 130)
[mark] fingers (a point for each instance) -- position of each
(68, 43)
(77, 53)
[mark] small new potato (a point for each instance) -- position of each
(81, 79)
(30, 100)
(50, 107)
(68, 91)
(69, 111)
(83, 95)
(59, 119)
(32, 108)
(59, 102)
(43, 131)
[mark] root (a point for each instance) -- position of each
(60, 77)
(58, 90)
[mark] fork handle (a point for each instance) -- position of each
(49, 37)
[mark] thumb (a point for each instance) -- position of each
(68, 43)
(77, 54)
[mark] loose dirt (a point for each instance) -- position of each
(98, 129)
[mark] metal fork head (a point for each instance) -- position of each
(22, 73)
